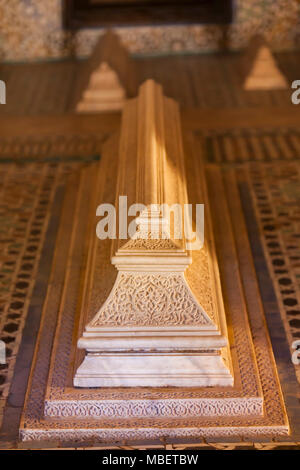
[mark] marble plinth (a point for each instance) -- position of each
(149, 370)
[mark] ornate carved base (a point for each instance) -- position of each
(152, 332)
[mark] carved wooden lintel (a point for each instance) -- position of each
(152, 329)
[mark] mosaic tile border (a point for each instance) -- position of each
(276, 196)
(26, 198)
(238, 146)
(269, 159)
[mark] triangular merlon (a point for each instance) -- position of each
(109, 63)
(260, 70)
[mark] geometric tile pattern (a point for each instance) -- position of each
(275, 192)
(26, 198)
(237, 146)
(54, 147)
(270, 160)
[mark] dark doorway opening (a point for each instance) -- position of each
(106, 13)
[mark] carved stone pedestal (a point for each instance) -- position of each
(153, 323)
(152, 330)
